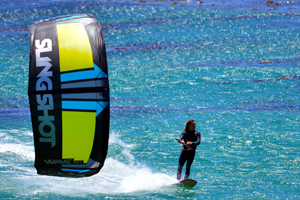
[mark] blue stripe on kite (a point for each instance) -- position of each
(79, 105)
(75, 170)
(100, 106)
(81, 75)
(66, 18)
(85, 105)
(99, 72)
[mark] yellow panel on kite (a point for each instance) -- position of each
(74, 46)
(78, 130)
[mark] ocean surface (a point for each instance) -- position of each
(233, 66)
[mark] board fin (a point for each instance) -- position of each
(187, 183)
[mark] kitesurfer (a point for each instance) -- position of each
(190, 138)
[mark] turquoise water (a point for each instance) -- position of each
(233, 67)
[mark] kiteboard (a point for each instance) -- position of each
(187, 183)
(69, 95)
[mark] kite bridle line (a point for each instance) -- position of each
(127, 73)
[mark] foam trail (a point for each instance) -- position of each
(18, 149)
(9, 144)
(115, 177)
(125, 147)
(132, 178)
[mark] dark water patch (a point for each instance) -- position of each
(13, 102)
(124, 99)
(15, 15)
(146, 46)
(259, 80)
(294, 87)
(253, 16)
(139, 23)
(259, 5)
(18, 29)
(265, 102)
(249, 63)
(197, 19)
(183, 45)
(248, 5)
(14, 4)
(13, 111)
(277, 108)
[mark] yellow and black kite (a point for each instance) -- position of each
(69, 95)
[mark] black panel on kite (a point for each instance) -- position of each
(69, 95)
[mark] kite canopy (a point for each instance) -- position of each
(69, 95)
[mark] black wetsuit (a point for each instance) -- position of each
(186, 154)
